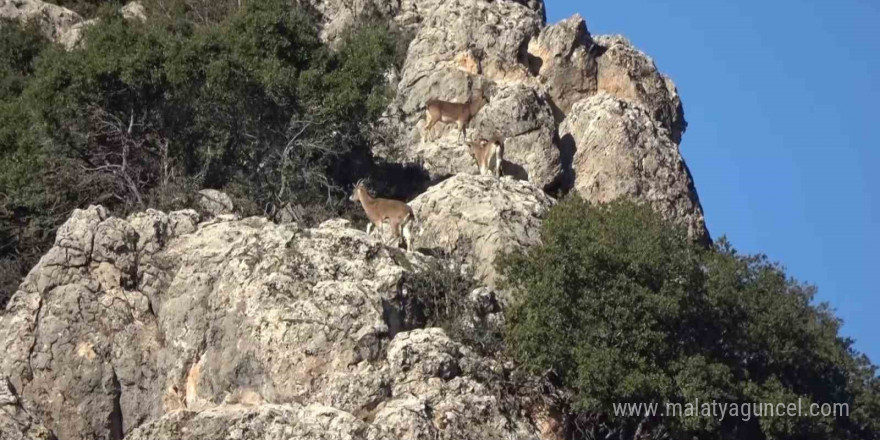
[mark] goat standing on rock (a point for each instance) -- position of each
(489, 155)
(443, 111)
(398, 214)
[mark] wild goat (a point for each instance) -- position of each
(446, 112)
(488, 154)
(398, 214)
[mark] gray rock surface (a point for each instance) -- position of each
(461, 39)
(463, 49)
(561, 58)
(158, 327)
(621, 151)
(15, 422)
(519, 115)
(627, 73)
(489, 215)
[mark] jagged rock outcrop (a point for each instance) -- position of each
(465, 49)
(519, 115)
(155, 324)
(462, 38)
(562, 58)
(532, 76)
(621, 151)
(489, 216)
(627, 73)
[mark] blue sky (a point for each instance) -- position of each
(784, 138)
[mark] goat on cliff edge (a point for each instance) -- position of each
(447, 112)
(397, 214)
(488, 154)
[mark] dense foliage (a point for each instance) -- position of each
(201, 94)
(622, 307)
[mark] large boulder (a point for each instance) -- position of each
(627, 73)
(563, 59)
(622, 151)
(154, 325)
(485, 215)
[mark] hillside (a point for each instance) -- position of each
(259, 308)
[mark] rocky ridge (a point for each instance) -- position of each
(157, 324)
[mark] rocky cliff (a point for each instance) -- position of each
(154, 325)
(172, 326)
(542, 83)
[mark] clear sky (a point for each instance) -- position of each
(783, 140)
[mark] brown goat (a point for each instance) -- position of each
(446, 112)
(488, 154)
(396, 213)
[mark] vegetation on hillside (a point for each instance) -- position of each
(616, 305)
(620, 306)
(244, 99)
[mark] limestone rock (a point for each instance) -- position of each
(215, 202)
(519, 115)
(157, 327)
(622, 151)
(491, 215)
(463, 49)
(627, 73)
(523, 118)
(562, 58)
(459, 40)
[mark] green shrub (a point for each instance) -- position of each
(85, 8)
(623, 307)
(200, 95)
(443, 295)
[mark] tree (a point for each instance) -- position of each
(243, 97)
(623, 307)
